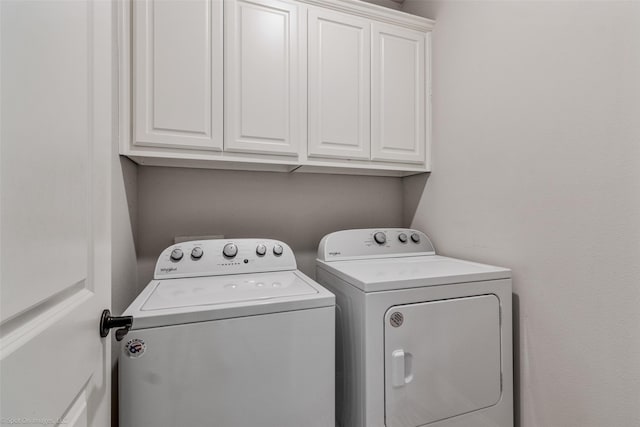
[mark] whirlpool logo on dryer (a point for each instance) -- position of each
(168, 269)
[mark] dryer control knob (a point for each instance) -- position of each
(402, 237)
(197, 252)
(176, 255)
(230, 250)
(415, 238)
(380, 238)
(277, 250)
(261, 250)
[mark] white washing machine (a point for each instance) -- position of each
(422, 340)
(229, 334)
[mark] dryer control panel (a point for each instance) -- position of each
(220, 257)
(374, 243)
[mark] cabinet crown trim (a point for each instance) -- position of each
(376, 12)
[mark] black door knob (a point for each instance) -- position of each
(108, 322)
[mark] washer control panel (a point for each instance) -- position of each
(221, 257)
(374, 243)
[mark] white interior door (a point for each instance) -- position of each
(442, 359)
(56, 131)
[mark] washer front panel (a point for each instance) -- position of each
(273, 370)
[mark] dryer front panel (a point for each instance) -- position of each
(442, 359)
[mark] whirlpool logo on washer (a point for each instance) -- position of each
(135, 348)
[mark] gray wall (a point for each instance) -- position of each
(296, 208)
(536, 166)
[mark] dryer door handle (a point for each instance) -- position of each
(401, 368)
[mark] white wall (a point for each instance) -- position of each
(536, 166)
(296, 208)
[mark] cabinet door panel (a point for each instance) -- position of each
(178, 73)
(339, 85)
(261, 76)
(398, 95)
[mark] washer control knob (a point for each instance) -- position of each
(277, 250)
(261, 250)
(402, 237)
(380, 238)
(176, 255)
(230, 250)
(197, 252)
(415, 238)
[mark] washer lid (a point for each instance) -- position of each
(224, 290)
(372, 275)
(186, 300)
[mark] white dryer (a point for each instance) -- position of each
(422, 340)
(229, 334)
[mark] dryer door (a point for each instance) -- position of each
(442, 359)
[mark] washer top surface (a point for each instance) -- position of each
(394, 264)
(195, 289)
(220, 290)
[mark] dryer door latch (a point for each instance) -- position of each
(108, 322)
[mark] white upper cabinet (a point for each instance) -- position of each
(337, 86)
(261, 77)
(339, 68)
(177, 70)
(398, 95)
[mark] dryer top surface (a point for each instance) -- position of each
(383, 274)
